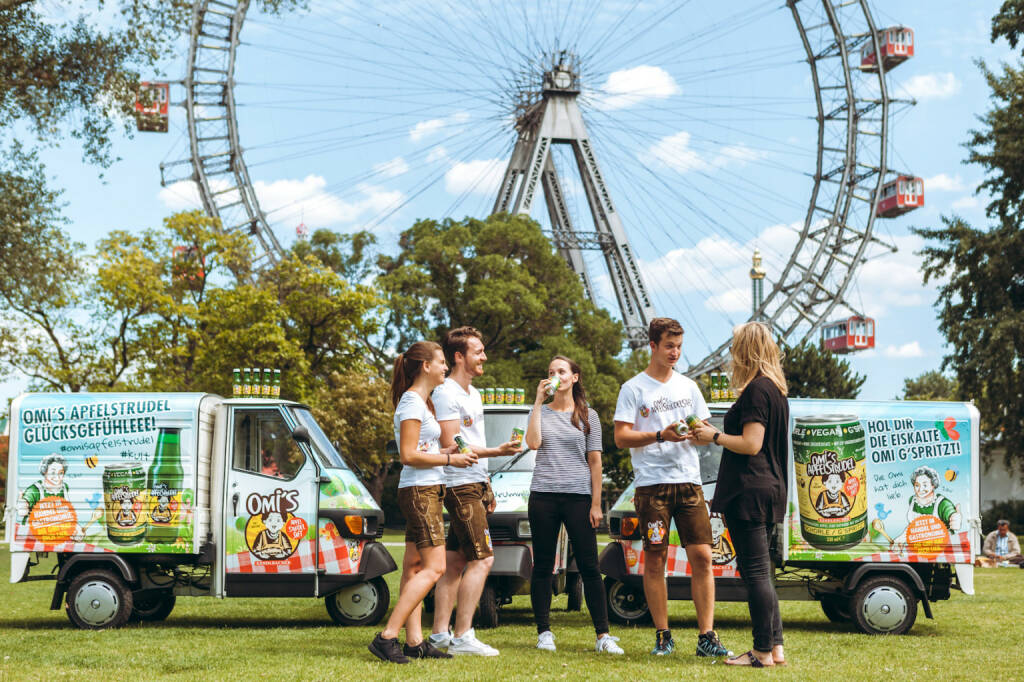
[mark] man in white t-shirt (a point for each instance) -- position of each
(468, 496)
(668, 483)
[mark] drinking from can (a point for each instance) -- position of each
(124, 498)
(517, 435)
(831, 477)
(520, 396)
(553, 384)
(488, 396)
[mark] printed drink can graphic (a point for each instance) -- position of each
(517, 435)
(488, 396)
(520, 396)
(831, 478)
(125, 500)
(499, 396)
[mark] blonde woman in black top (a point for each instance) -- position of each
(751, 488)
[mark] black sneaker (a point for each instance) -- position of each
(663, 643)
(708, 644)
(424, 650)
(387, 650)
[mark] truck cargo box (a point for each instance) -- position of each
(110, 472)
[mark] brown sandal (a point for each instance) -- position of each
(751, 661)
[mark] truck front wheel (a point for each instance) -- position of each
(97, 600)
(359, 604)
(626, 605)
(574, 590)
(836, 607)
(884, 605)
(487, 609)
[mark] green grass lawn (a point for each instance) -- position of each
(970, 638)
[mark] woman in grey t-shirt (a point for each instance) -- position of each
(566, 489)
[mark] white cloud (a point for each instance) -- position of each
(735, 300)
(480, 176)
(629, 87)
(893, 280)
(392, 168)
(675, 152)
(907, 350)
(290, 201)
(428, 128)
(943, 183)
(438, 153)
(932, 85)
(964, 202)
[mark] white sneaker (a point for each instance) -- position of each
(546, 641)
(607, 643)
(441, 640)
(468, 644)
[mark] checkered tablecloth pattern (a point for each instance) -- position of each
(958, 551)
(334, 556)
(32, 545)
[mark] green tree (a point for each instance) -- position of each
(932, 385)
(814, 373)
(502, 276)
(980, 271)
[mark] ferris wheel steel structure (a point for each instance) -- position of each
(850, 169)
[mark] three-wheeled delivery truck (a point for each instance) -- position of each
(145, 497)
(883, 514)
(509, 524)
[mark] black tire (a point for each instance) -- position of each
(836, 607)
(98, 599)
(359, 604)
(884, 605)
(574, 591)
(486, 615)
(153, 607)
(626, 605)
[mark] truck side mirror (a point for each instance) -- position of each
(301, 435)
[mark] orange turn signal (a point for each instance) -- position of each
(354, 524)
(629, 525)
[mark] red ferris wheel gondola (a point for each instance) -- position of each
(848, 335)
(151, 107)
(897, 46)
(904, 193)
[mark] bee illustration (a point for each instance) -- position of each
(951, 474)
(91, 461)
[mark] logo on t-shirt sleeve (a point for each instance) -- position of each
(645, 411)
(467, 421)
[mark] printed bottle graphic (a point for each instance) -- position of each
(164, 482)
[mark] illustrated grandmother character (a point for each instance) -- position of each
(832, 502)
(52, 469)
(271, 543)
(927, 501)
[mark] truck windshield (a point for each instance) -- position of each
(321, 445)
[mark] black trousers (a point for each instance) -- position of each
(751, 540)
(547, 512)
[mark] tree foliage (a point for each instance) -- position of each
(814, 373)
(932, 385)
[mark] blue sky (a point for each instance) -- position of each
(700, 116)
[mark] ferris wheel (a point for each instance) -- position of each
(766, 127)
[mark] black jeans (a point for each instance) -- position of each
(548, 511)
(751, 539)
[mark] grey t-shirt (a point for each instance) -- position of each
(562, 456)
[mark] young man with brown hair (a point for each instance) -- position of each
(468, 497)
(668, 483)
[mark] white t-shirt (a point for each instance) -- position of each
(650, 405)
(412, 406)
(451, 402)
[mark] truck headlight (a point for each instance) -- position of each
(629, 526)
(523, 529)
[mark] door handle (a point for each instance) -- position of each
(234, 504)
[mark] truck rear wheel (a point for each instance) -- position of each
(574, 591)
(97, 600)
(836, 607)
(153, 606)
(626, 605)
(884, 605)
(487, 610)
(359, 604)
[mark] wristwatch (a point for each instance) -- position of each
(715, 437)
(658, 438)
